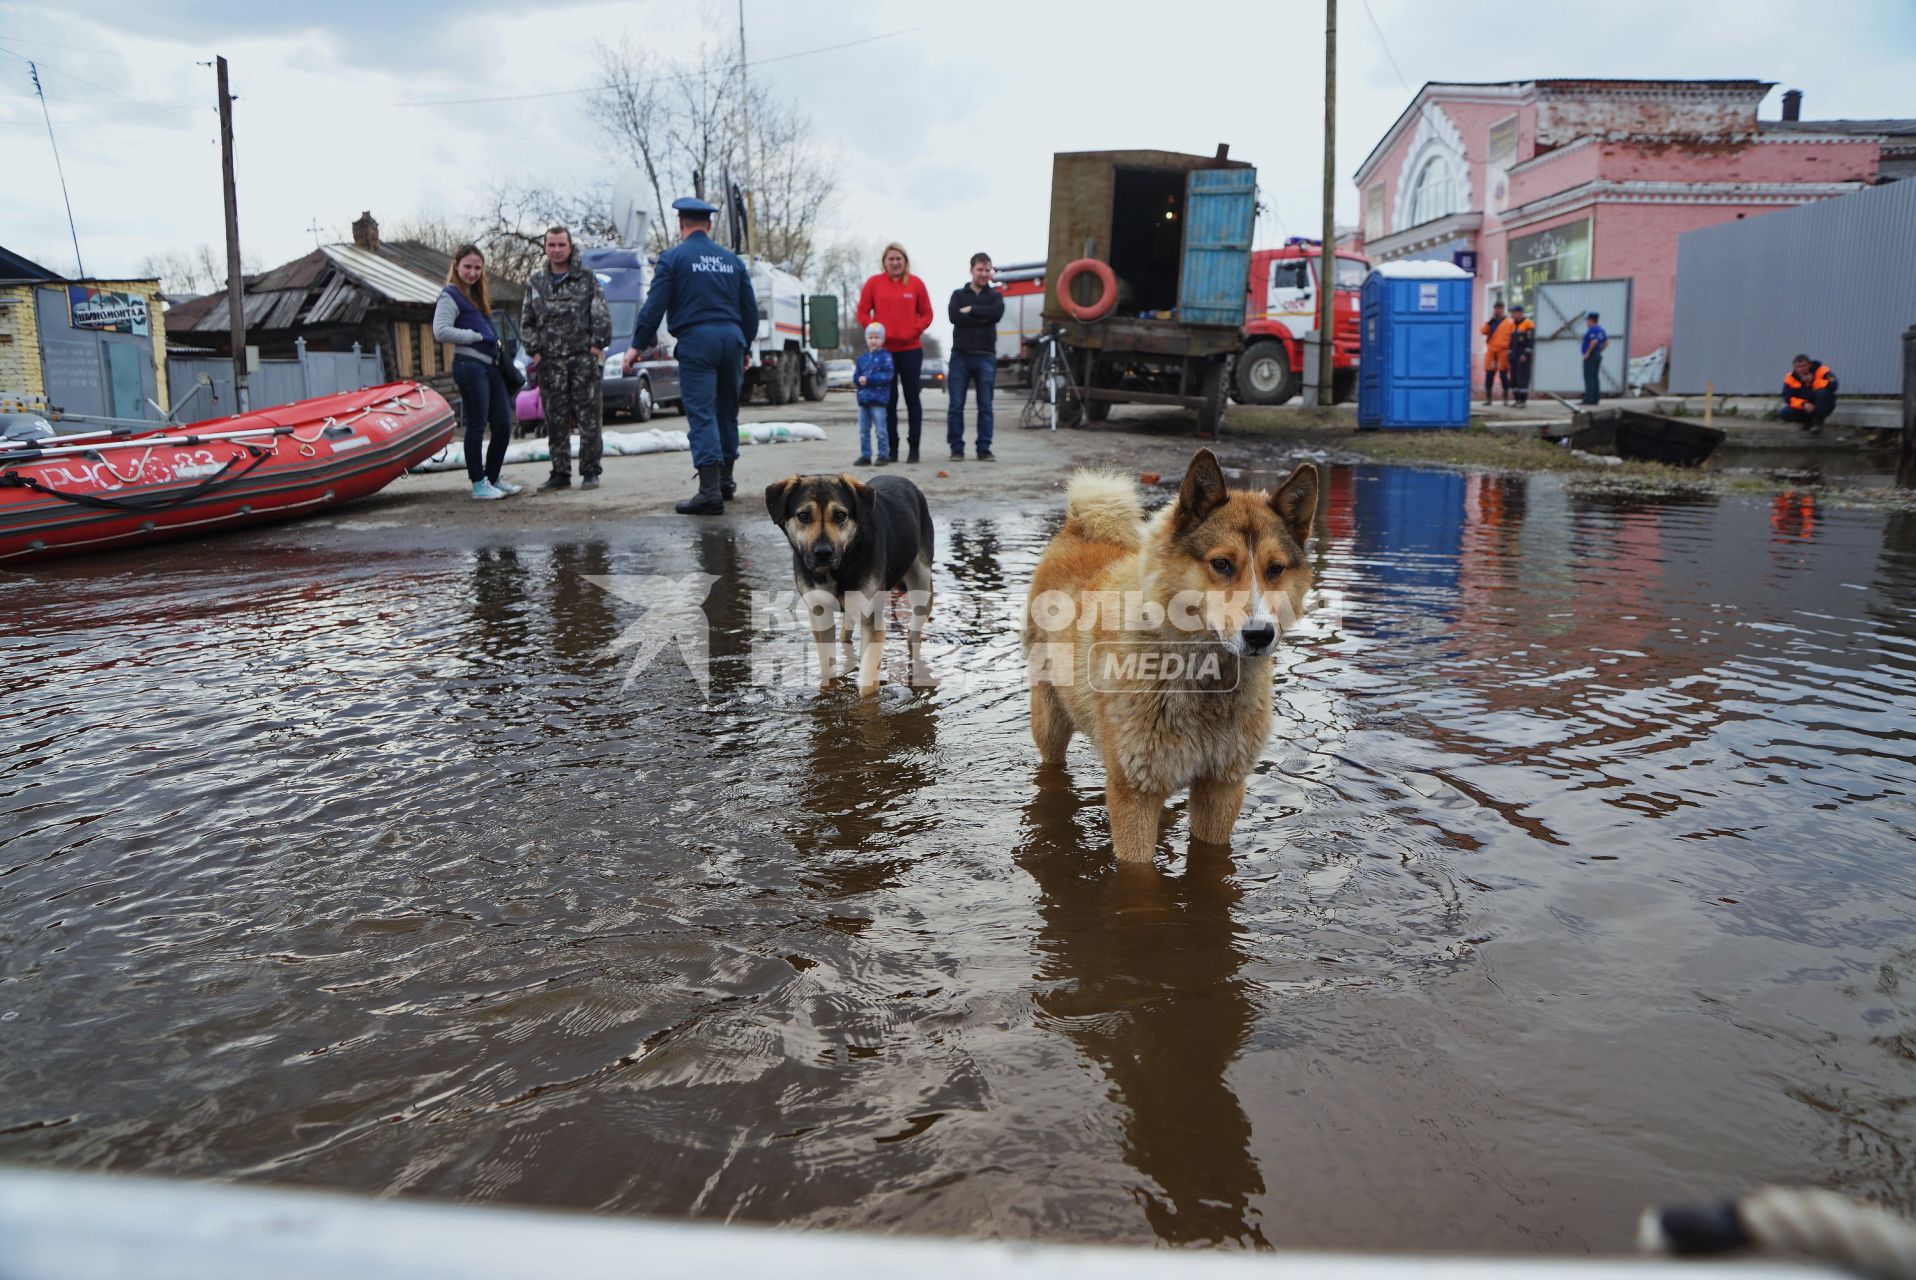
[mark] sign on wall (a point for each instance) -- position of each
(1561, 253)
(106, 312)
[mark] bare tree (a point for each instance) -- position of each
(841, 268)
(681, 123)
(194, 271)
(436, 232)
(632, 110)
(512, 230)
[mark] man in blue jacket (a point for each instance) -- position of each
(706, 292)
(1594, 341)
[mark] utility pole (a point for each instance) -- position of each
(1327, 268)
(745, 133)
(235, 288)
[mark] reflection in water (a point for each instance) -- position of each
(1588, 817)
(1141, 970)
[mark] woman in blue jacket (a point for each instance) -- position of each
(463, 318)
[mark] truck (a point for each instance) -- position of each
(1148, 256)
(793, 324)
(1280, 308)
(1281, 301)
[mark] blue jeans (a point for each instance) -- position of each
(907, 366)
(967, 367)
(1591, 364)
(711, 367)
(482, 401)
(871, 422)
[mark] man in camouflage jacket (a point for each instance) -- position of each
(565, 326)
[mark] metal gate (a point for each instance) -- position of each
(1560, 306)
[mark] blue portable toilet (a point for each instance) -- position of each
(1414, 367)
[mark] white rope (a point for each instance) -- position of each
(1811, 1223)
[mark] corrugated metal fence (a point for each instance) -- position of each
(1835, 279)
(275, 382)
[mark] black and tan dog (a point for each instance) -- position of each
(853, 544)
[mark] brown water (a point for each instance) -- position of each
(1578, 877)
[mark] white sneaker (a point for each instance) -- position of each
(505, 486)
(484, 492)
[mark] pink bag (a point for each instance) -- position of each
(527, 408)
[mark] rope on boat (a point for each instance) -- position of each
(1807, 1222)
(157, 502)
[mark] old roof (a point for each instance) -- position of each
(385, 278)
(336, 284)
(15, 267)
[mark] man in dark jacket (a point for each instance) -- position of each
(975, 310)
(1523, 353)
(565, 326)
(1809, 394)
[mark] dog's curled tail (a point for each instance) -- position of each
(1102, 506)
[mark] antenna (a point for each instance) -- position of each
(59, 168)
(629, 218)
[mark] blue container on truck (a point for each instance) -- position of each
(1415, 367)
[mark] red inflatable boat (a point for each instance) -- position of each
(95, 490)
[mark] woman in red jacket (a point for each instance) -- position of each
(898, 300)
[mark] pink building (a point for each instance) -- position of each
(1595, 179)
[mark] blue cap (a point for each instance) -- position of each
(1593, 315)
(692, 204)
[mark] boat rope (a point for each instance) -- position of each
(139, 468)
(1807, 1222)
(253, 456)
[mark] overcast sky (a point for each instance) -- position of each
(942, 123)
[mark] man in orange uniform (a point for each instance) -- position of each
(1523, 353)
(1496, 333)
(1809, 394)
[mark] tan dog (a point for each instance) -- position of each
(1153, 639)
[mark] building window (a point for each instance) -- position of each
(1503, 141)
(1374, 213)
(1434, 194)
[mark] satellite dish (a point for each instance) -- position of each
(629, 217)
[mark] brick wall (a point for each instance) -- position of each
(19, 342)
(20, 333)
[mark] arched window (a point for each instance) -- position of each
(1434, 194)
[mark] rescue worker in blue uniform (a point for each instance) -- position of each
(705, 292)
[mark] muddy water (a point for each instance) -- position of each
(1578, 877)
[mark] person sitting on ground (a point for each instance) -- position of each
(1809, 394)
(874, 376)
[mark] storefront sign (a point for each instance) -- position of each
(107, 312)
(1561, 253)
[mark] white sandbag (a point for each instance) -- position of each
(627, 443)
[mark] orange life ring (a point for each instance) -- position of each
(1107, 285)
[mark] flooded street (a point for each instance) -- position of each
(1577, 877)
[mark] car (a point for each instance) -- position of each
(932, 374)
(841, 375)
(654, 380)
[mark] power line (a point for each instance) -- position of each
(686, 75)
(1385, 45)
(112, 93)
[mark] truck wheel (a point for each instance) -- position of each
(778, 387)
(1211, 387)
(642, 404)
(1096, 410)
(811, 383)
(1264, 374)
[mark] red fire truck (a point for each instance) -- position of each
(1280, 307)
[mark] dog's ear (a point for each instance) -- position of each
(1295, 502)
(1202, 492)
(863, 498)
(778, 499)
